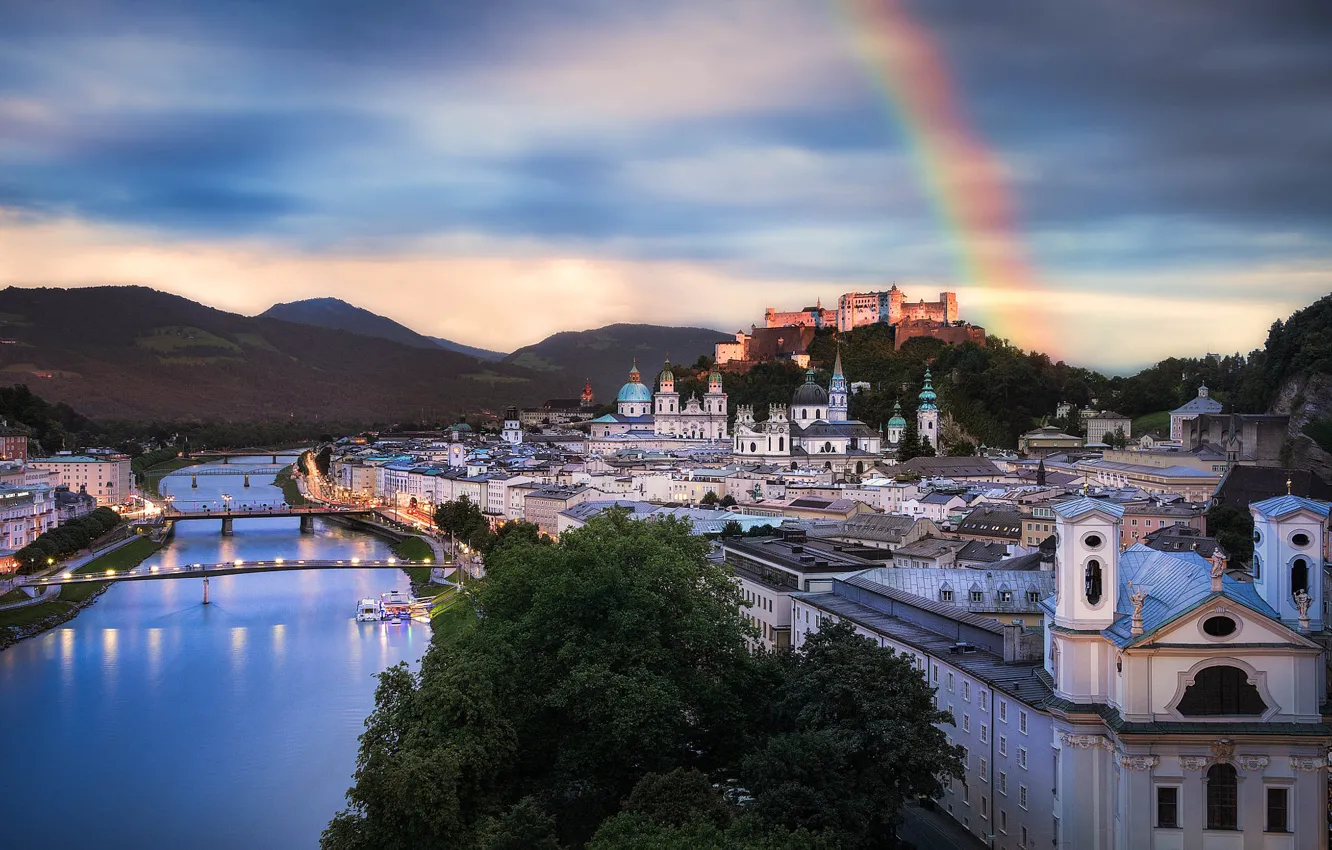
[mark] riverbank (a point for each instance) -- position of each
(153, 475)
(291, 491)
(19, 623)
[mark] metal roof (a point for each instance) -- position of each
(1077, 507)
(1281, 506)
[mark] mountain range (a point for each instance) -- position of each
(133, 353)
(336, 314)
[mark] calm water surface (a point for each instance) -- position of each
(151, 720)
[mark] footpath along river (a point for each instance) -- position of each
(151, 720)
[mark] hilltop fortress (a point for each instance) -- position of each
(787, 335)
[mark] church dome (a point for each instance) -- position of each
(810, 393)
(927, 396)
(666, 374)
(715, 376)
(897, 420)
(635, 390)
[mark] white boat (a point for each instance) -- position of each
(367, 611)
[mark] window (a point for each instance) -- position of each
(1222, 793)
(951, 713)
(1003, 821)
(950, 683)
(966, 723)
(1003, 711)
(977, 596)
(984, 769)
(1022, 722)
(1022, 757)
(1278, 810)
(1257, 567)
(1167, 807)
(966, 691)
(1023, 842)
(1092, 582)
(1003, 784)
(936, 674)
(1005, 596)
(1218, 626)
(1299, 576)
(1003, 745)
(1221, 690)
(1022, 796)
(985, 734)
(945, 596)
(985, 805)
(1299, 538)
(984, 697)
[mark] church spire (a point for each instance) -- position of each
(837, 364)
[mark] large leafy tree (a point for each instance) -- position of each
(855, 738)
(464, 520)
(615, 653)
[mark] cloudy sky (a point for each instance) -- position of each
(494, 172)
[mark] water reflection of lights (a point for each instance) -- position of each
(154, 654)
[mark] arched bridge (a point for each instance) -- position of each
(266, 469)
(151, 571)
(228, 516)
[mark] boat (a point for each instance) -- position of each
(367, 611)
(395, 604)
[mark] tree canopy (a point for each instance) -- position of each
(603, 693)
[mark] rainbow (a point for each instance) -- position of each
(963, 178)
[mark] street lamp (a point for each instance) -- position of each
(226, 499)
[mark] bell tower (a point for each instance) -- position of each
(838, 402)
(1086, 563)
(927, 413)
(1289, 538)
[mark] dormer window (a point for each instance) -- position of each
(1092, 582)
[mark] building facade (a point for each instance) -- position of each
(105, 478)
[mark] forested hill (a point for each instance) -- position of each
(998, 392)
(128, 352)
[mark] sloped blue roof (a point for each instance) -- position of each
(606, 418)
(1176, 584)
(1279, 506)
(1077, 507)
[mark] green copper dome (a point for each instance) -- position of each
(897, 421)
(927, 396)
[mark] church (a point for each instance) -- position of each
(813, 431)
(660, 420)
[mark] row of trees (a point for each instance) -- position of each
(606, 698)
(66, 539)
(464, 520)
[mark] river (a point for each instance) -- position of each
(152, 720)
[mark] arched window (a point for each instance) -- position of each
(1221, 691)
(860, 467)
(855, 443)
(1222, 796)
(1092, 581)
(804, 414)
(827, 464)
(827, 446)
(781, 444)
(1299, 576)
(794, 465)
(753, 448)
(1257, 567)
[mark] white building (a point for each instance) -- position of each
(513, 427)
(1204, 403)
(106, 479)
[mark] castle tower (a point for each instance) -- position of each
(513, 427)
(838, 400)
(1289, 534)
(927, 414)
(587, 398)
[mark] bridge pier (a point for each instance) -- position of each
(194, 481)
(206, 602)
(226, 458)
(247, 479)
(307, 524)
(226, 525)
(274, 458)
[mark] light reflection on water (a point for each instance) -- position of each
(165, 722)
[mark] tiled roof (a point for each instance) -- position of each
(1077, 507)
(1280, 506)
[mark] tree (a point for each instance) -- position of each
(465, 521)
(323, 459)
(614, 653)
(855, 738)
(1117, 440)
(732, 528)
(709, 498)
(909, 445)
(727, 501)
(1233, 529)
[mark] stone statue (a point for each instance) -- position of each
(1218, 565)
(1138, 597)
(1302, 603)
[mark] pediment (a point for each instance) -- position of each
(1251, 627)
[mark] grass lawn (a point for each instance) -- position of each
(1158, 421)
(452, 617)
(413, 549)
(33, 613)
(14, 595)
(78, 592)
(126, 557)
(153, 476)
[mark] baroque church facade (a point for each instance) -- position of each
(1187, 707)
(815, 430)
(661, 419)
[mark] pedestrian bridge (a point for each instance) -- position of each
(306, 513)
(153, 571)
(266, 469)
